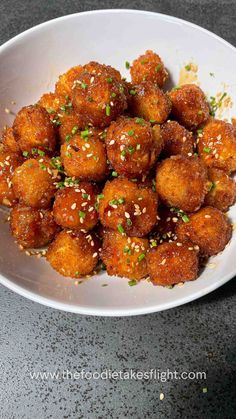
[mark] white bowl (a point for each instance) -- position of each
(29, 66)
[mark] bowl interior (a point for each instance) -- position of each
(29, 67)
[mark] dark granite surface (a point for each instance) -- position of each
(196, 337)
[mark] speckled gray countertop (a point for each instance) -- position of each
(196, 337)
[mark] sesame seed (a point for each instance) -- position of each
(81, 220)
(207, 216)
(89, 155)
(127, 215)
(163, 262)
(112, 142)
(175, 220)
(109, 213)
(179, 244)
(90, 209)
(83, 204)
(161, 396)
(73, 206)
(144, 210)
(95, 255)
(87, 145)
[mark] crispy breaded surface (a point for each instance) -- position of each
(66, 82)
(149, 67)
(127, 208)
(222, 193)
(124, 256)
(189, 105)
(182, 182)
(9, 141)
(150, 103)
(9, 161)
(73, 254)
(34, 182)
(84, 155)
(99, 95)
(32, 228)
(208, 228)
(172, 263)
(176, 139)
(74, 207)
(132, 146)
(33, 129)
(217, 145)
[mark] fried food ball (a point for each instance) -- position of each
(69, 124)
(9, 161)
(208, 228)
(172, 263)
(176, 139)
(33, 129)
(67, 81)
(9, 141)
(217, 145)
(52, 103)
(32, 228)
(95, 68)
(34, 182)
(74, 207)
(150, 103)
(73, 254)
(124, 256)
(189, 105)
(99, 95)
(133, 146)
(84, 156)
(182, 182)
(149, 67)
(222, 193)
(125, 207)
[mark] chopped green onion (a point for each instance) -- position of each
(108, 110)
(141, 257)
(132, 282)
(158, 67)
(82, 214)
(127, 65)
(120, 228)
(207, 149)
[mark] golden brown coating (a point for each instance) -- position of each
(84, 155)
(222, 193)
(208, 228)
(73, 254)
(34, 182)
(217, 145)
(99, 95)
(33, 129)
(149, 67)
(125, 207)
(172, 263)
(52, 103)
(182, 182)
(67, 81)
(9, 141)
(32, 228)
(9, 161)
(189, 105)
(69, 124)
(150, 103)
(94, 67)
(176, 139)
(133, 146)
(74, 207)
(124, 256)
